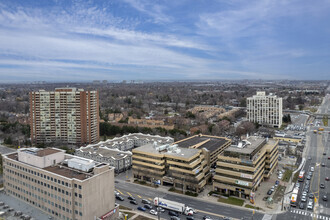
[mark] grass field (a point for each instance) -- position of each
(232, 201)
(287, 175)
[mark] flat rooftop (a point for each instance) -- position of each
(182, 152)
(40, 152)
(253, 144)
(211, 143)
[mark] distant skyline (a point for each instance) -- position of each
(64, 40)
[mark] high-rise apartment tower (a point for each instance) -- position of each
(66, 115)
(265, 109)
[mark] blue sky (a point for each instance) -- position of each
(83, 40)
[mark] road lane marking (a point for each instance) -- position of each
(210, 213)
(129, 194)
(150, 199)
(120, 192)
(139, 196)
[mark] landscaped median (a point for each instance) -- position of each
(252, 207)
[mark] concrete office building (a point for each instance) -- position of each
(265, 109)
(66, 115)
(213, 145)
(121, 160)
(241, 169)
(170, 165)
(64, 186)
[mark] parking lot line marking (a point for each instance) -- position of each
(129, 194)
(120, 192)
(139, 196)
(150, 199)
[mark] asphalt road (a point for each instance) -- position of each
(318, 144)
(214, 210)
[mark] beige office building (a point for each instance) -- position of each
(64, 116)
(169, 165)
(265, 109)
(241, 169)
(64, 186)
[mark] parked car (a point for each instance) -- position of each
(190, 218)
(145, 201)
(310, 205)
(303, 199)
(269, 192)
(311, 196)
(153, 212)
(175, 218)
(120, 198)
(133, 202)
(322, 186)
(272, 189)
(327, 178)
(173, 213)
(131, 198)
(312, 169)
(302, 205)
(141, 208)
(304, 193)
(325, 198)
(147, 206)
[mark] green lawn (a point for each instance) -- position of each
(232, 201)
(287, 175)
(325, 121)
(295, 177)
(252, 207)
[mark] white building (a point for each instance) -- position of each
(265, 109)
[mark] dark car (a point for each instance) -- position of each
(175, 218)
(311, 196)
(269, 192)
(147, 206)
(324, 153)
(325, 198)
(206, 217)
(323, 164)
(308, 177)
(120, 198)
(190, 218)
(141, 208)
(133, 202)
(302, 205)
(144, 201)
(172, 213)
(131, 198)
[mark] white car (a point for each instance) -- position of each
(153, 212)
(312, 169)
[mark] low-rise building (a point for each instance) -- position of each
(64, 186)
(241, 169)
(149, 123)
(170, 165)
(121, 160)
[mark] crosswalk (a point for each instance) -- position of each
(311, 214)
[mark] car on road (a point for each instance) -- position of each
(312, 169)
(147, 206)
(134, 202)
(327, 178)
(145, 201)
(311, 196)
(205, 217)
(141, 208)
(324, 153)
(153, 212)
(304, 193)
(298, 185)
(322, 186)
(308, 177)
(272, 189)
(131, 198)
(310, 205)
(269, 192)
(302, 205)
(173, 213)
(160, 209)
(323, 164)
(309, 158)
(120, 198)
(175, 218)
(328, 158)
(325, 198)
(190, 218)
(303, 199)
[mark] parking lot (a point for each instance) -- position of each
(14, 209)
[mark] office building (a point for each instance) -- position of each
(64, 116)
(213, 145)
(265, 109)
(241, 169)
(64, 186)
(120, 160)
(170, 165)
